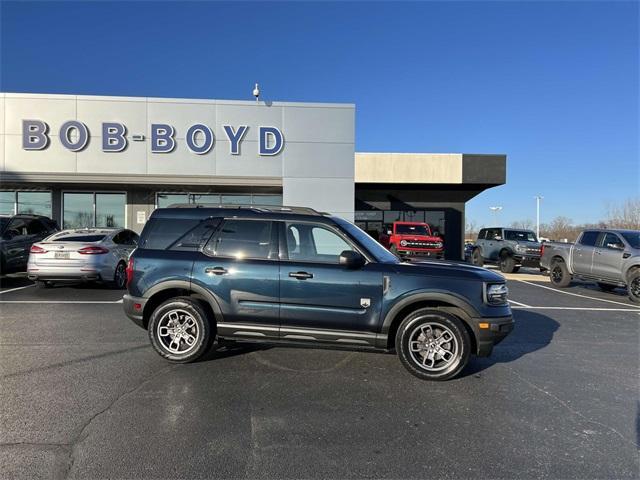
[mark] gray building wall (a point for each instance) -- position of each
(315, 167)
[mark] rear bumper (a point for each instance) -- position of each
(499, 328)
(85, 273)
(134, 308)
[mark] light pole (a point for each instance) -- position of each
(495, 211)
(538, 198)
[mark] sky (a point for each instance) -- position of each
(553, 85)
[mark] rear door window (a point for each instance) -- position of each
(589, 238)
(163, 233)
(244, 239)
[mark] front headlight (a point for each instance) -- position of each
(497, 293)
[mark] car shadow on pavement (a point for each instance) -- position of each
(14, 281)
(226, 349)
(532, 332)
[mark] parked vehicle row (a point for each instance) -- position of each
(292, 275)
(609, 257)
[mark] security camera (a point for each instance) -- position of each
(256, 92)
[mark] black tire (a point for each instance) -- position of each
(559, 274)
(119, 281)
(476, 258)
(605, 287)
(43, 284)
(412, 332)
(507, 263)
(393, 249)
(182, 309)
(516, 269)
(633, 285)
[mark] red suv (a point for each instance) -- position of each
(414, 238)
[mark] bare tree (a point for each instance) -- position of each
(471, 229)
(560, 229)
(624, 215)
(523, 224)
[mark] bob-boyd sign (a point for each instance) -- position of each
(74, 136)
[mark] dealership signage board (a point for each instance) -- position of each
(199, 138)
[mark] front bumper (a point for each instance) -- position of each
(421, 253)
(134, 308)
(528, 260)
(499, 328)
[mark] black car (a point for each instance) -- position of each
(17, 234)
(292, 275)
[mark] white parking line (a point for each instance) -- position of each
(520, 304)
(90, 302)
(586, 309)
(14, 289)
(578, 295)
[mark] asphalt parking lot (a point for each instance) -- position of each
(84, 396)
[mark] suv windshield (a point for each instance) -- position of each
(520, 236)
(412, 230)
(633, 238)
(380, 253)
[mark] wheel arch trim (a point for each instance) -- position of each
(183, 285)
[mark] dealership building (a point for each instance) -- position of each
(100, 161)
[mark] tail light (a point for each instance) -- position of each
(541, 249)
(129, 271)
(37, 249)
(93, 250)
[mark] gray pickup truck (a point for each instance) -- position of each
(510, 248)
(609, 257)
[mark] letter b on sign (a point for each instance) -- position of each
(34, 135)
(162, 140)
(113, 137)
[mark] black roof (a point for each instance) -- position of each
(204, 210)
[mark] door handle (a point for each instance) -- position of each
(598, 252)
(301, 275)
(215, 271)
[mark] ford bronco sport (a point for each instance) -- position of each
(510, 248)
(293, 275)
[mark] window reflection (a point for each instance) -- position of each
(110, 210)
(78, 210)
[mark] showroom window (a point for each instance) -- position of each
(27, 202)
(163, 200)
(94, 209)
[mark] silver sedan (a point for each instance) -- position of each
(97, 254)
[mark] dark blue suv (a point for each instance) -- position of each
(293, 275)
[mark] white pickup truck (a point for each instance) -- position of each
(609, 257)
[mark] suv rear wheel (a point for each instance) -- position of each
(180, 330)
(433, 345)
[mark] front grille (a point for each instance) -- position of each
(408, 243)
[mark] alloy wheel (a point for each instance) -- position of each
(121, 276)
(433, 346)
(556, 274)
(178, 331)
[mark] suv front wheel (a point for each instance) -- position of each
(433, 345)
(180, 330)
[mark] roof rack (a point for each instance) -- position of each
(257, 208)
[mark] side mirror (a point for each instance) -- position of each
(497, 238)
(615, 246)
(352, 260)
(389, 232)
